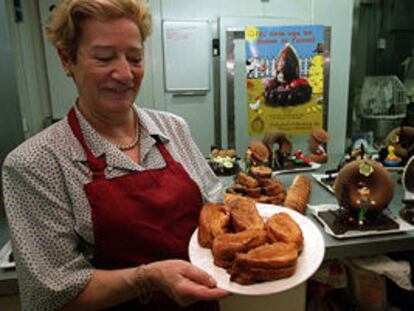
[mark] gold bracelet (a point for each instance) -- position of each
(144, 288)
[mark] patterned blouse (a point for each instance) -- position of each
(47, 209)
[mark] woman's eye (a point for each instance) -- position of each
(104, 59)
(135, 60)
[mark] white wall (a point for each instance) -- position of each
(32, 80)
(338, 15)
(197, 110)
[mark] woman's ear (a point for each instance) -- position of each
(64, 59)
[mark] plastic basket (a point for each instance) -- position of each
(382, 96)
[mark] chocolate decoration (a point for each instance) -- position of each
(340, 222)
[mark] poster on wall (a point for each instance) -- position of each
(284, 71)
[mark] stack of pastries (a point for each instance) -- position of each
(259, 186)
(251, 249)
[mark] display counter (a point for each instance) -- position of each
(353, 247)
(335, 248)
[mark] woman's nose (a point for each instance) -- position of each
(123, 71)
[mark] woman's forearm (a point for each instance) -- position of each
(108, 288)
(177, 279)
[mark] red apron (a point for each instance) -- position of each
(142, 217)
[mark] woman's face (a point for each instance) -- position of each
(109, 65)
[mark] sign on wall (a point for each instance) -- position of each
(284, 71)
(187, 59)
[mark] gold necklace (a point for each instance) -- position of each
(131, 145)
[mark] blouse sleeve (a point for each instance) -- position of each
(50, 267)
(198, 168)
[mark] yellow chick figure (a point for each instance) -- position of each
(391, 154)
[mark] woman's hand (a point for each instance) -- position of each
(183, 282)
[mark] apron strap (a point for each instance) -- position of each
(164, 152)
(97, 166)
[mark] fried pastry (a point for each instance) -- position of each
(214, 220)
(253, 192)
(297, 196)
(236, 188)
(254, 275)
(273, 187)
(264, 182)
(264, 263)
(261, 172)
(276, 199)
(259, 151)
(230, 197)
(244, 215)
(275, 255)
(246, 180)
(281, 227)
(225, 246)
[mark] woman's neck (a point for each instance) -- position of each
(118, 128)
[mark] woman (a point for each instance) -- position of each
(102, 204)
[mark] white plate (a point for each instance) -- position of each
(308, 262)
(5, 252)
(403, 225)
(313, 167)
(319, 177)
(394, 168)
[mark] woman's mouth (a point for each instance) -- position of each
(119, 92)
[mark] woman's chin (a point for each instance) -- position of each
(118, 102)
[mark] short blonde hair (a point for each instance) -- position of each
(63, 27)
